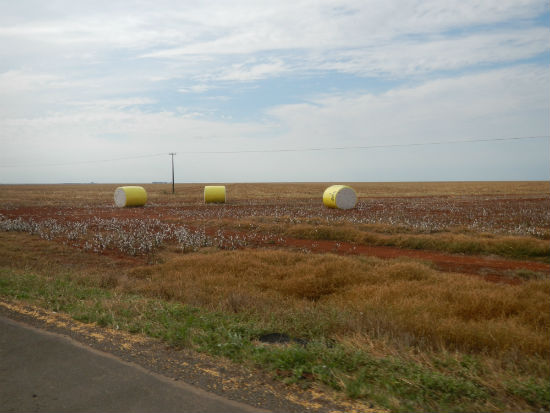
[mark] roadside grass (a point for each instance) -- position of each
(504, 246)
(395, 333)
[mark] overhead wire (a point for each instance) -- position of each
(88, 161)
(283, 150)
(339, 148)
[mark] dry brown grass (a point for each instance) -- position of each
(102, 194)
(404, 301)
(30, 253)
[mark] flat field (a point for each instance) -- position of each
(425, 297)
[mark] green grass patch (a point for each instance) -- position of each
(529, 275)
(535, 392)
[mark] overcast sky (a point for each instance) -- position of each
(89, 81)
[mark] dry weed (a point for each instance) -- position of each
(404, 301)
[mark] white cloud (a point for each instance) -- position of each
(90, 80)
(498, 103)
(243, 28)
(115, 103)
(199, 88)
(362, 37)
(406, 57)
(253, 70)
(14, 81)
(107, 130)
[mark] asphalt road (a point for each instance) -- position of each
(47, 372)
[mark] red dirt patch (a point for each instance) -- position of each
(490, 268)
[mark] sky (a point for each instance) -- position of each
(241, 91)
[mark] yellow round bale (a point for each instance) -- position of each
(214, 194)
(340, 196)
(127, 196)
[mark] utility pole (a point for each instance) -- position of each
(172, 155)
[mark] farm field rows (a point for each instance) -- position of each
(426, 296)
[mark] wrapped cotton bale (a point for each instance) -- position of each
(340, 196)
(126, 196)
(214, 194)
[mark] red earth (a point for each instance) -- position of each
(490, 268)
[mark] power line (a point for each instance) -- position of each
(282, 150)
(85, 162)
(343, 148)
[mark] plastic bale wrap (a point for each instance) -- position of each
(214, 194)
(340, 196)
(129, 196)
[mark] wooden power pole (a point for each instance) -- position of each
(172, 155)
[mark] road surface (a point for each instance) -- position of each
(46, 372)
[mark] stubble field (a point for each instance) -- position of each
(426, 296)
